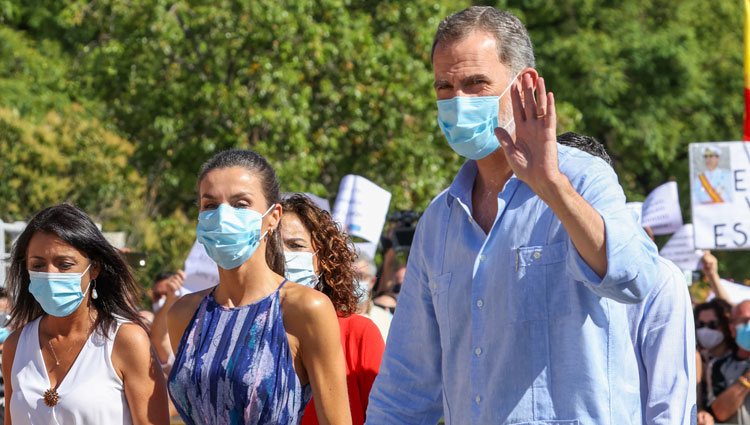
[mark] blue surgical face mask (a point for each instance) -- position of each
(4, 333)
(230, 235)
(59, 294)
(300, 269)
(469, 123)
(743, 336)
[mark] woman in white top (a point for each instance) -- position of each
(80, 353)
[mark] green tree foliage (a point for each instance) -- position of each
(330, 87)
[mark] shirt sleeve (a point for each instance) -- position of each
(631, 255)
(667, 342)
(408, 389)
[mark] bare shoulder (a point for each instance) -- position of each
(131, 340)
(306, 303)
(184, 308)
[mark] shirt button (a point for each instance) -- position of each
(478, 399)
(480, 303)
(478, 351)
(537, 255)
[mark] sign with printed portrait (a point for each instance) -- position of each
(720, 194)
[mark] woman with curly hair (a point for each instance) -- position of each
(319, 255)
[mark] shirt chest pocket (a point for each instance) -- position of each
(539, 288)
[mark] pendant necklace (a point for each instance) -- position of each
(50, 396)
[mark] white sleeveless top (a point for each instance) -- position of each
(91, 392)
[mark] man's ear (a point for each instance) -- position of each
(532, 73)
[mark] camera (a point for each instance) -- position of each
(403, 232)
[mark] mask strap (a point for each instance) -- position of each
(512, 81)
(263, 236)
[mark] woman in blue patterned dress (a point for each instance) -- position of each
(254, 348)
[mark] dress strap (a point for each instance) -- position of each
(282, 284)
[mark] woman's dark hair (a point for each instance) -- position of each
(118, 292)
(335, 251)
(255, 164)
(723, 311)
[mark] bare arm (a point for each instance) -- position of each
(312, 319)
(711, 270)
(145, 389)
(729, 401)
(159, 328)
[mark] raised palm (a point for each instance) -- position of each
(533, 153)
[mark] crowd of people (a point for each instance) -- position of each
(531, 294)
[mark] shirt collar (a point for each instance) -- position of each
(463, 183)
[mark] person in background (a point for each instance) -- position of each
(79, 352)
(4, 332)
(320, 255)
(662, 332)
(366, 275)
(252, 349)
(715, 341)
(165, 293)
(729, 378)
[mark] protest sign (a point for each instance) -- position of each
(735, 291)
(680, 249)
(200, 270)
(720, 194)
(661, 210)
(361, 207)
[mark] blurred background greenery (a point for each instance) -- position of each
(113, 105)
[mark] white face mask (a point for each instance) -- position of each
(300, 268)
(709, 338)
(363, 290)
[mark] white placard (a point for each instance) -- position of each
(368, 248)
(735, 291)
(322, 203)
(637, 209)
(680, 249)
(361, 207)
(201, 271)
(661, 210)
(720, 194)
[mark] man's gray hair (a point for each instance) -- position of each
(514, 46)
(372, 269)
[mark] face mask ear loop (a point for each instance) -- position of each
(512, 81)
(268, 232)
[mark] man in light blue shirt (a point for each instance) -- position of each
(513, 306)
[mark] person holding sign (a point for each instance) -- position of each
(713, 185)
(252, 349)
(513, 305)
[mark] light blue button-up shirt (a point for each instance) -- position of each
(663, 334)
(514, 327)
